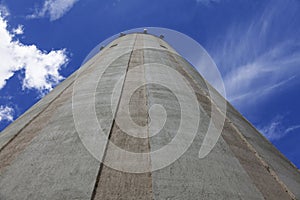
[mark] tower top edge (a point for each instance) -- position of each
(108, 42)
(145, 32)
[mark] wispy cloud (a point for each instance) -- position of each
(41, 68)
(6, 113)
(292, 128)
(54, 9)
(275, 130)
(260, 56)
(3, 10)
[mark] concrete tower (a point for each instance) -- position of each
(137, 121)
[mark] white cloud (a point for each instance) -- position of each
(41, 68)
(19, 30)
(275, 130)
(55, 9)
(6, 113)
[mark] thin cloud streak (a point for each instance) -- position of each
(292, 128)
(262, 91)
(275, 130)
(54, 9)
(256, 59)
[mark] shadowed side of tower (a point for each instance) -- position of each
(52, 153)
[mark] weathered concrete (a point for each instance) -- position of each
(128, 185)
(43, 155)
(190, 177)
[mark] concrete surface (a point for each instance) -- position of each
(42, 156)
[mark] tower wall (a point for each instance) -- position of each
(43, 154)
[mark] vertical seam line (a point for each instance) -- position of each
(111, 128)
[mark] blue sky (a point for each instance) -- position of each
(255, 44)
